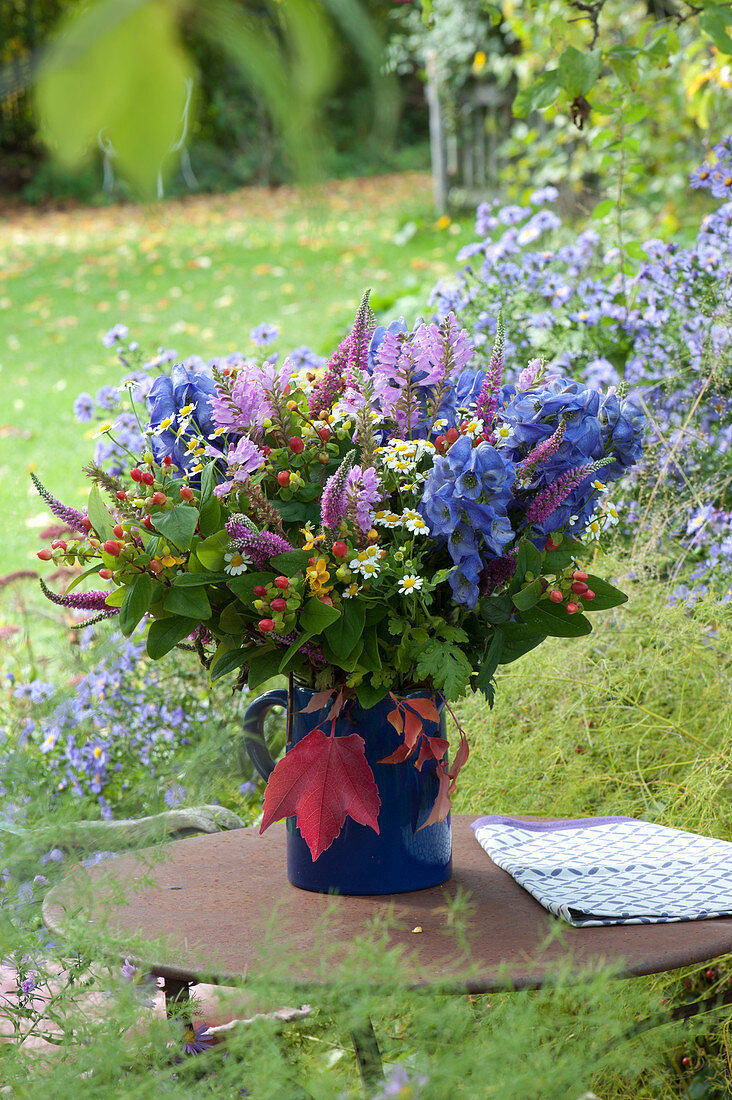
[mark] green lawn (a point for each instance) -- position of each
(195, 275)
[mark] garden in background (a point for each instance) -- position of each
(605, 255)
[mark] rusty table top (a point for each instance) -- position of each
(211, 902)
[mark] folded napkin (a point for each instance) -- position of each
(612, 870)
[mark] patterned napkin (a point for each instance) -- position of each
(612, 870)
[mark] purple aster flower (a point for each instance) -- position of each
(115, 334)
(28, 984)
(196, 1039)
(247, 788)
(107, 398)
(264, 334)
(174, 796)
(400, 1083)
(83, 407)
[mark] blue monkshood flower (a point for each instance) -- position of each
(168, 395)
(622, 425)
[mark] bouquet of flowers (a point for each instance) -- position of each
(401, 518)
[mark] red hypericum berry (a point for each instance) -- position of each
(588, 595)
(324, 434)
(572, 608)
(148, 477)
(296, 445)
(266, 451)
(578, 575)
(686, 1061)
(556, 596)
(167, 461)
(45, 554)
(451, 435)
(86, 523)
(278, 604)
(282, 582)
(58, 544)
(323, 459)
(121, 494)
(260, 590)
(106, 574)
(156, 566)
(147, 522)
(136, 473)
(340, 550)
(159, 498)
(119, 531)
(440, 443)
(710, 975)
(266, 625)
(326, 599)
(283, 478)
(112, 547)
(579, 588)
(551, 544)
(186, 493)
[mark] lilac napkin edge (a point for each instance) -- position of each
(548, 826)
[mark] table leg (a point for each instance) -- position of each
(177, 999)
(368, 1054)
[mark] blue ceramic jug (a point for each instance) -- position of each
(401, 857)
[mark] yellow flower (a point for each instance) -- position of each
(479, 61)
(170, 559)
(318, 577)
(310, 539)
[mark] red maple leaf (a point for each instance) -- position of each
(322, 780)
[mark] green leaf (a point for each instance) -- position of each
(490, 662)
(714, 21)
(101, 518)
(496, 609)
(447, 667)
(370, 655)
(368, 695)
(210, 552)
(228, 661)
(293, 651)
(244, 585)
(178, 525)
(116, 597)
(552, 619)
(635, 250)
(347, 661)
(557, 560)
(529, 560)
(117, 68)
(231, 621)
(291, 562)
(344, 634)
(538, 96)
(82, 576)
(194, 580)
(164, 635)
(606, 596)
(209, 509)
(316, 616)
(604, 208)
(263, 666)
(578, 70)
(192, 602)
(517, 640)
(527, 597)
(136, 602)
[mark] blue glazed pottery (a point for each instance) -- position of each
(401, 857)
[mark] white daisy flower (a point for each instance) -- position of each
(370, 569)
(236, 563)
(503, 433)
(473, 428)
(610, 516)
(600, 486)
(351, 591)
(414, 522)
(593, 530)
(410, 583)
(387, 519)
